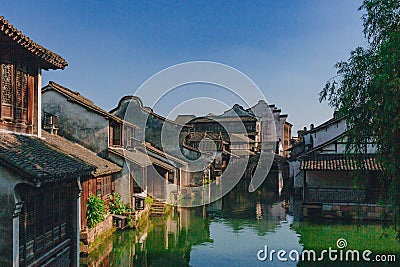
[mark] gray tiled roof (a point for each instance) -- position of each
(340, 162)
(136, 156)
(216, 119)
(78, 98)
(103, 166)
(38, 159)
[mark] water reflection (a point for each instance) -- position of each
(228, 232)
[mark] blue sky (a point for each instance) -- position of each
(288, 48)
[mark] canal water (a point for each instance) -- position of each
(229, 232)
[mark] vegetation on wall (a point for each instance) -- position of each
(95, 210)
(117, 206)
(149, 200)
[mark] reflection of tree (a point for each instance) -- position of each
(168, 241)
(260, 227)
(169, 246)
(123, 248)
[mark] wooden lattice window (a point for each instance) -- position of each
(44, 221)
(104, 185)
(7, 95)
(15, 84)
(21, 90)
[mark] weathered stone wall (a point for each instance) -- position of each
(329, 195)
(77, 123)
(334, 186)
(295, 174)
(122, 186)
(88, 236)
(331, 179)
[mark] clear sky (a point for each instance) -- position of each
(288, 48)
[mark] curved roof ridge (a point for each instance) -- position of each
(54, 60)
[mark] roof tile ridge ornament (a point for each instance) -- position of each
(147, 109)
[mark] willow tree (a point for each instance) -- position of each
(367, 91)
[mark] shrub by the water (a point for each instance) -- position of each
(95, 210)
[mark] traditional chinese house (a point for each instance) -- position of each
(99, 183)
(40, 193)
(39, 184)
(327, 175)
(107, 135)
(234, 121)
(168, 160)
(253, 124)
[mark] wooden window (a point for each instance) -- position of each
(128, 136)
(98, 186)
(6, 91)
(129, 133)
(104, 186)
(21, 91)
(15, 84)
(115, 134)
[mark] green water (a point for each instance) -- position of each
(231, 231)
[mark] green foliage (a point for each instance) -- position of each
(367, 91)
(95, 210)
(207, 181)
(361, 237)
(117, 206)
(149, 200)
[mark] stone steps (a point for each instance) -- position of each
(157, 209)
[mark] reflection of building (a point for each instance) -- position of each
(326, 174)
(39, 184)
(170, 243)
